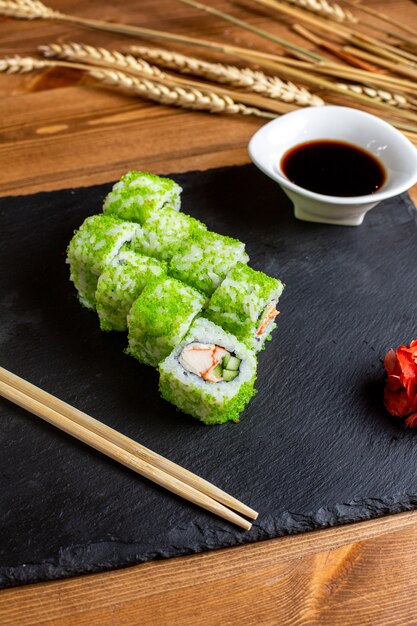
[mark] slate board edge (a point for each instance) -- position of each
(39, 194)
(106, 556)
(405, 197)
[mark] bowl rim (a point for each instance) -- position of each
(375, 197)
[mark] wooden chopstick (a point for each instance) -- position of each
(113, 451)
(131, 446)
(130, 453)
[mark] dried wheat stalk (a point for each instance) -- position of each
(34, 9)
(381, 16)
(342, 31)
(326, 9)
(175, 95)
(246, 78)
(381, 95)
(195, 99)
(142, 69)
(253, 29)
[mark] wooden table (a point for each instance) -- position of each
(56, 132)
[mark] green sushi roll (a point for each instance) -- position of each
(138, 195)
(209, 375)
(120, 284)
(166, 230)
(205, 260)
(245, 305)
(95, 245)
(160, 317)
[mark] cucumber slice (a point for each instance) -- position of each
(233, 363)
(229, 375)
(217, 371)
(226, 360)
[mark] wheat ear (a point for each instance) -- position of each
(246, 78)
(109, 59)
(100, 56)
(173, 95)
(326, 9)
(271, 87)
(27, 9)
(395, 99)
(22, 65)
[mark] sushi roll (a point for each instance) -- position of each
(95, 245)
(245, 305)
(120, 284)
(165, 230)
(204, 261)
(138, 195)
(210, 374)
(160, 317)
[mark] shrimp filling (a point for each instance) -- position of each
(267, 319)
(209, 362)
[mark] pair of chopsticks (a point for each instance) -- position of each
(123, 449)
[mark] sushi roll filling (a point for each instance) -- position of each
(267, 319)
(210, 362)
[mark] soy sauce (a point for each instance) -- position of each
(333, 168)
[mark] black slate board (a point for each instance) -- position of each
(315, 448)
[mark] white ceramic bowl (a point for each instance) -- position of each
(396, 152)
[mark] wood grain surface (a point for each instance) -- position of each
(56, 131)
